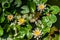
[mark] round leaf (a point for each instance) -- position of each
(55, 9)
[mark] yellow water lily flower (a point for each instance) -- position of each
(41, 7)
(37, 33)
(21, 21)
(10, 17)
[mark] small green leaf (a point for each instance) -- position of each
(29, 27)
(22, 33)
(18, 27)
(2, 18)
(45, 30)
(32, 7)
(17, 3)
(49, 24)
(45, 20)
(55, 9)
(1, 31)
(52, 18)
(8, 29)
(29, 35)
(25, 9)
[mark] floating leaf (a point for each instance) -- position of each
(22, 33)
(32, 7)
(45, 20)
(2, 18)
(29, 27)
(17, 3)
(1, 31)
(54, 9)
(46, 30)
(52, 18)
(18, 27)
(49, 24)
(29, 35)
(25, 9)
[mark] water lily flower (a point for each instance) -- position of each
(21, 21)
(37, 33)
(10, 17)
(41, 7)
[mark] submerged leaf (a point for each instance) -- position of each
(52, 18)
(2, 18)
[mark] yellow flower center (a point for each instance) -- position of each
(10, 17)
(41, 6)
(21, 20)
(37, 32)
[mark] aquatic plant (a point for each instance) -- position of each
(27, 19)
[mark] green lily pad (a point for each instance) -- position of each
(55, 9)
